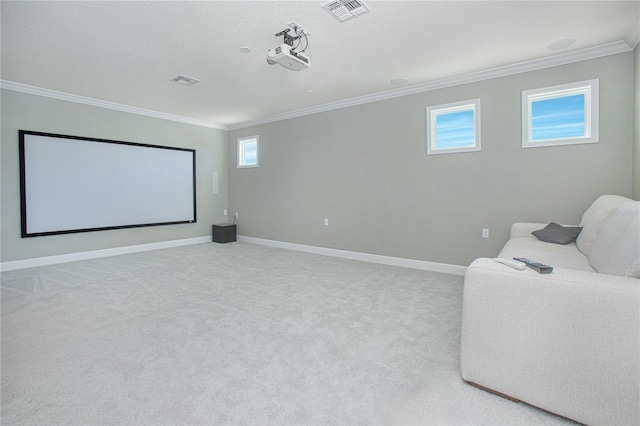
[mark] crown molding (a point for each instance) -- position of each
(39, 91)
(518, 68)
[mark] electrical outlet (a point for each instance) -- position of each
(235, 215)
(485, 233)
(225, 212)
(326, 222)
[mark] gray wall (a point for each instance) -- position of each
(365, 169)
(28, 112)
(636, 125)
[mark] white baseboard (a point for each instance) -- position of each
(94, 254)
(365, 257)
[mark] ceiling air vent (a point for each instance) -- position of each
(344, 10)
(185, 81)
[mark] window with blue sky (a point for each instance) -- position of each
(251, 153)
(560, 115)
(558, 118)
(248, 152)
(453, 127)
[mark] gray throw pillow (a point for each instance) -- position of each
(557, 234)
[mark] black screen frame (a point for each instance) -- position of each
(25, 233)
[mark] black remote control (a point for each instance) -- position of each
(536, 266)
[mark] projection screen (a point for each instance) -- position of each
(74, 184)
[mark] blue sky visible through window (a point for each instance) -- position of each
(251, 153)
(558, 118)
(455, 130)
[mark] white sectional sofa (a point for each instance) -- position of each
(569, 341)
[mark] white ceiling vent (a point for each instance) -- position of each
(344, 10)
(185, 81)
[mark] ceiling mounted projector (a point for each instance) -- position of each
(288, 58)
(287, 55)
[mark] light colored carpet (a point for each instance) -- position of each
(238, 334)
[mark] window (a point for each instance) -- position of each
(560, 115)
(248, 152)
(453, 127)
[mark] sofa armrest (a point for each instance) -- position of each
(524, 229)
(567, 342)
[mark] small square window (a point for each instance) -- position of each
(453, 127)
(248, 152)
(560, 115)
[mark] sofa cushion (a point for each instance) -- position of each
(557, 234)
(616, 250)
(594, 218)
(556, 255)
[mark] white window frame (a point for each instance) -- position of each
(432, 115)
(241, 151)
(590, 90)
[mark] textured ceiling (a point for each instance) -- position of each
(127, 52)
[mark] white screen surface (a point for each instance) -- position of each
(71, 184)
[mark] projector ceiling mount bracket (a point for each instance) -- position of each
(288, 39)
(293, 53)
